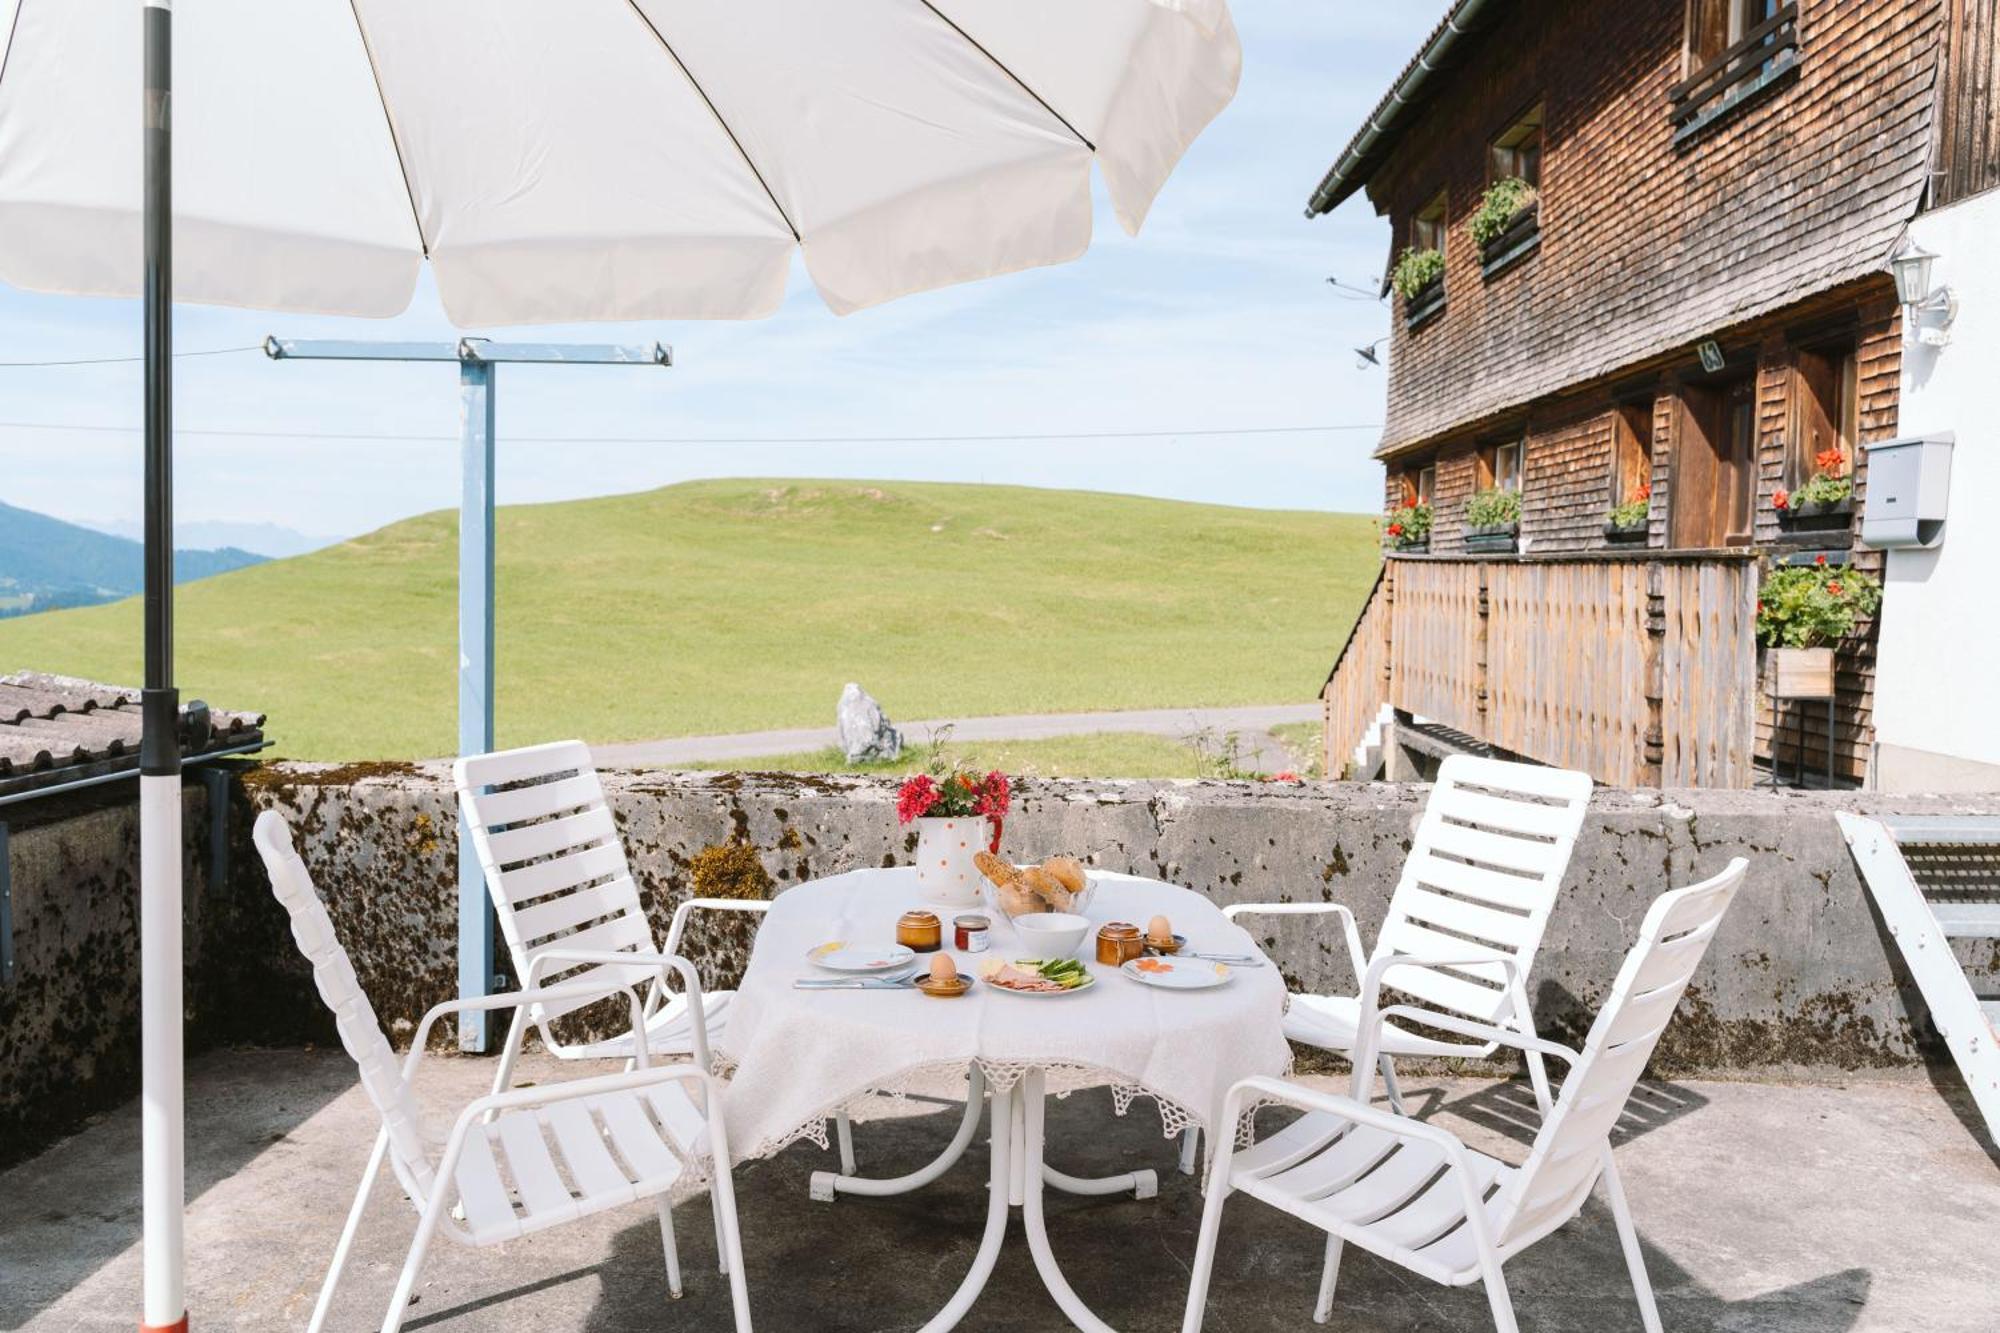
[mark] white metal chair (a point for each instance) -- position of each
(515, 1162)
(1413, 1194)
(569, 908)
(1465, 920)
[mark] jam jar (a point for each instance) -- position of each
(971, 933)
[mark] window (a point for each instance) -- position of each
(1713, 26)
(1734, 50)
(1631, 451)
(1500, 466)
(1826, 411)
(1414, 485)
(1518, 152)
(1427, 226)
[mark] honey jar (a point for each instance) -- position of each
(1119, 942)
(920, 930)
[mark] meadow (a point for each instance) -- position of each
(740, 605)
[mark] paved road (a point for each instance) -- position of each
(1261, 749)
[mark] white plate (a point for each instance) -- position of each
(987, 970)
(840, 956)
(1177, 973)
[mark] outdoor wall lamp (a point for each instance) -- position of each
(1912, 268)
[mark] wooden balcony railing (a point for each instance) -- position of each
(1640, 669)
(1756, 61)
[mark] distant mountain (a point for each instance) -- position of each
(46, 563)
(267, 539)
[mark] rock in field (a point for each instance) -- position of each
(865, 732)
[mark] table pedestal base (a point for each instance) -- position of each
(1016, 1180)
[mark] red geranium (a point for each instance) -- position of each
(1831, 462)
(1819, 560)
(1782, 499)
(1833, 588)
(916, 798)
(1395, 529)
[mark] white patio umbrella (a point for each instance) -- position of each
(555, 161)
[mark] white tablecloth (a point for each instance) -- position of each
(800, 1055)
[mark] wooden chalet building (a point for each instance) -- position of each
(1681, 300)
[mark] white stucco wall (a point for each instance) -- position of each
(1937, 721)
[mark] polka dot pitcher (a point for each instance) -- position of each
(945, 847)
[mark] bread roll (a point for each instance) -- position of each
(1068, 871)
(994, 868)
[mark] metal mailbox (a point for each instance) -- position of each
(1909, 481)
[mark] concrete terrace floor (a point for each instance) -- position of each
(1865, 1204)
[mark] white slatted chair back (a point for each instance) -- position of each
(1570, 1150)
(360, 1032)
(1484, 870)
(555, 866)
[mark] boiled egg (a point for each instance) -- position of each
(1160, 931)
(943, 970)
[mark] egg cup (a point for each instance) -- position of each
(944, 990)
(1166, 950)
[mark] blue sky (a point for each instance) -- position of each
(1217, 316)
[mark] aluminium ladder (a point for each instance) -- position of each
(1959, 858)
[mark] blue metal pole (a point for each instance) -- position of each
(475, 677)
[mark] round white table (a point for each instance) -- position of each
(799, 1056)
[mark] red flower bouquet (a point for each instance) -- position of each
(955, 795)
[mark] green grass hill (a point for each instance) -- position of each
(740, 605)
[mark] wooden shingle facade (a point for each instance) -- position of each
(1696, 301)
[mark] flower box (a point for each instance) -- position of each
(1631, 535)
(1411, 546)
(1800, 673)
(1425, 304)
(1520, 237)
(1806, 516)
(1492, 538)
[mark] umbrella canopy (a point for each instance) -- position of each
(595, 159)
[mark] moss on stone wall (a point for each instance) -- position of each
(729, 870)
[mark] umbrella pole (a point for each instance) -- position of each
(160, 1013)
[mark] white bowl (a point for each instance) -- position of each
(1051, 934)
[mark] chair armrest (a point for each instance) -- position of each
(662, 962)
(544, 1094)
(1355, 953)
(754, 906)
(1333, 1103)
(1484, 1031)
(513, 1000)
(1382, 965)
(1368, 1023)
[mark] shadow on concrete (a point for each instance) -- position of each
(76, 1207)
(861, 1265)
(1508, 1109)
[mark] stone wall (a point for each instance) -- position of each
(69, 1019)
(1802, 978)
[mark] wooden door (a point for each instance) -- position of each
(1714, 466)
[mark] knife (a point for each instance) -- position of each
(1234, 959)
